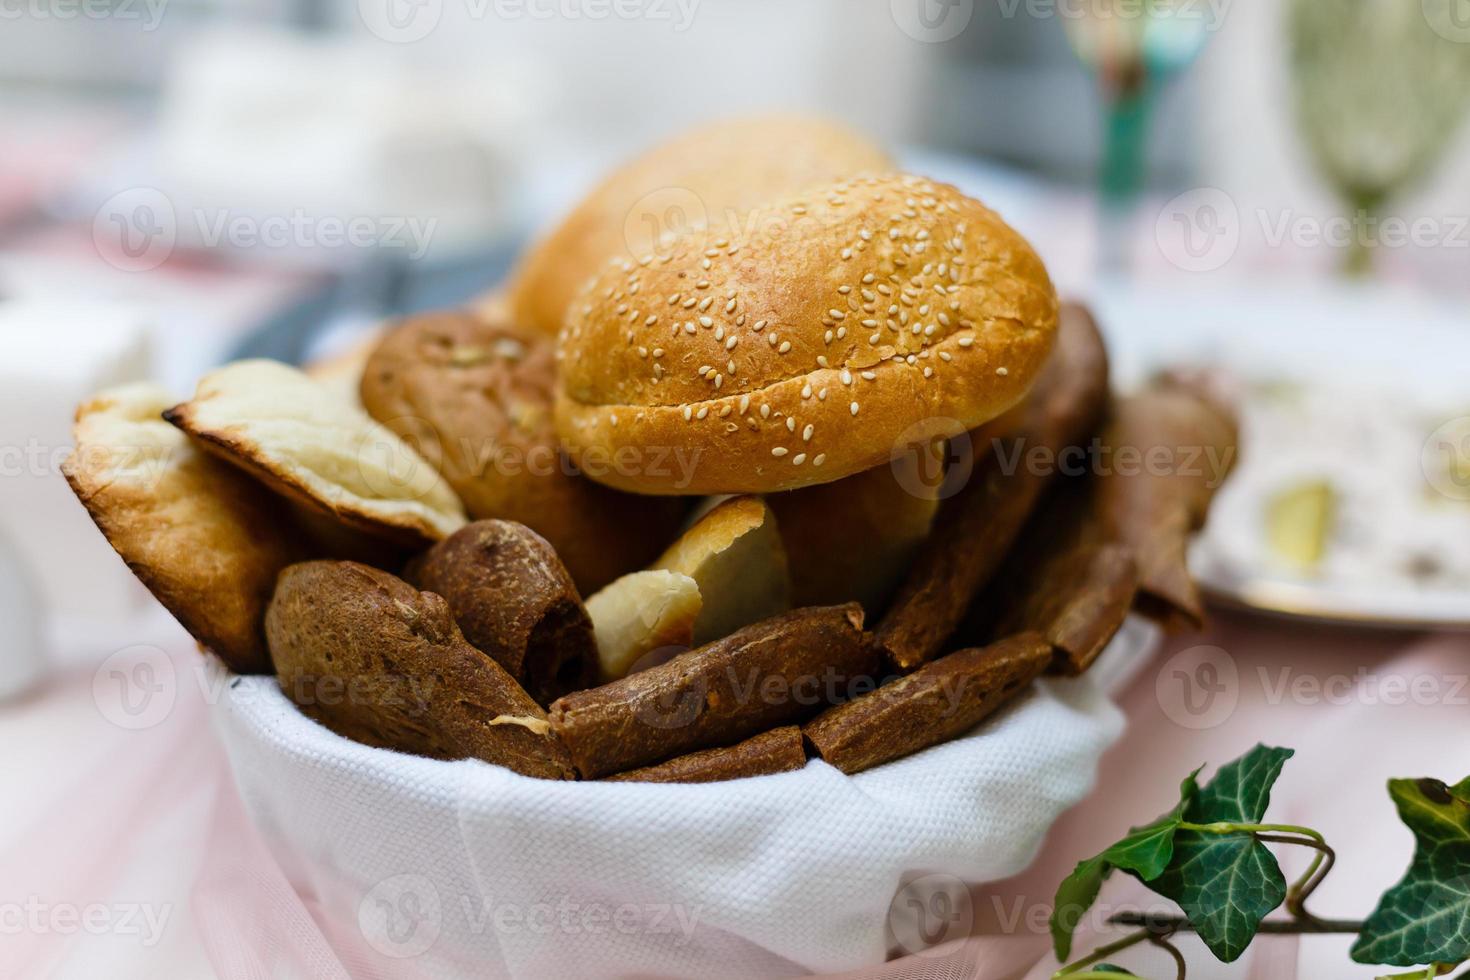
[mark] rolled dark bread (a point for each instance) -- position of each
(382, 663)
(778, 750)
(513, 599)
(1063, 580)
(976, 527)
(774, 672)
(1166, 451)
(937, 702)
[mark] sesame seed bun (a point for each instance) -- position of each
(706, 176)
(834, 330)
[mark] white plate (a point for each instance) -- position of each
(1379, 341)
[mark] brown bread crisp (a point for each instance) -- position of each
(474, 396)
(1167, 451)
(934, 704)
(1063, 580)
(771, 673)
(975, 528)
(513, 599)
(381, 663)
(778, 750)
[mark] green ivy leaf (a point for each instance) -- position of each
(1110, 968)
(1425, 918)
(1227, 883)
(1145, 852)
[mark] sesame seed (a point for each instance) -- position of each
(704, 369)
(724, 412)
(705, 321)
(869, 376)
(827, 337)
(719, 380)
(946, 356)
(778, 451)
(841, 333)
(868, 279)
(785, 346)
(771, 338)
(765, 411)
(844, 290)
(928, 372)
(821, 458)
(853, 408)
(744, 403)
(846, 376)
(689, 326)
(790, 423)
(822, 395)
(759, 326)
(688, 412)
(614, 420)
(798, 459)
(658, 352)
(874, 338)
(822, 360)
(703, 412)
(720, 332)
(1002, 371)
(729, 367)
(806, 434)
(652, 319)
(967, 341)
(806, 391)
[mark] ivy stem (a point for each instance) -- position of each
(1074, 970)
(1162, 942)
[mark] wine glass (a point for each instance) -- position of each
(1133, 48)
(1378, 94)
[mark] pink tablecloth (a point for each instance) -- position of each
(124, 850)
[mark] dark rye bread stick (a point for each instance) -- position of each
(939, 701)
(377, 661)
(1165, 452)
(1015, 459)
(774, 672)
(778, 750)
(513, 599)
(1062, 580)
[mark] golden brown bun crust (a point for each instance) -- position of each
(837, 328)
(382, 663)
(205, 538)
(707, 175)
(475, 396)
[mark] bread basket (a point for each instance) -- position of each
(447, 869)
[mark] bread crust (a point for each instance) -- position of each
(314, 446)
(204, 538)
(706, 177)
(837, 329)
(475, 396)
(382, 663)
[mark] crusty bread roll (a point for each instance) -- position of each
(475, 396)
(829, 332)
(206, 539)
(311, 443)
(515, 601)
(706, 177)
